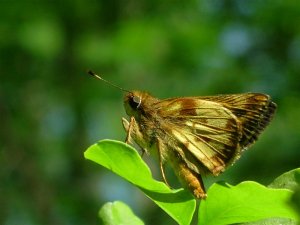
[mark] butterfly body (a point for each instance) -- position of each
(197, 135)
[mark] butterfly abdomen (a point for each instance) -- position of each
(188, 178)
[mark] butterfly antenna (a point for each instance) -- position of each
(109, 83)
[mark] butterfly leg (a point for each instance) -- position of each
(160, 158)
(134, 133)
(129, 130)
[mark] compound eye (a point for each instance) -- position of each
(135, 102)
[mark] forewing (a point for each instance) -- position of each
(206, 134)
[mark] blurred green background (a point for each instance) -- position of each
(51, 111)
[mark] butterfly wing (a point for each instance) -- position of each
(253, 110)
(210, 132)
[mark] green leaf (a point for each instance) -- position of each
(245, 202)
(273, 221)
(124, 160)
(290, 180)
(116, 213)
(296, 201)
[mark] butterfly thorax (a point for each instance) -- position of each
(147, 125)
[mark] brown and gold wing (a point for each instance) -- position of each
(253, 110)
(210, 132)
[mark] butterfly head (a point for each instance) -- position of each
(133, 102)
